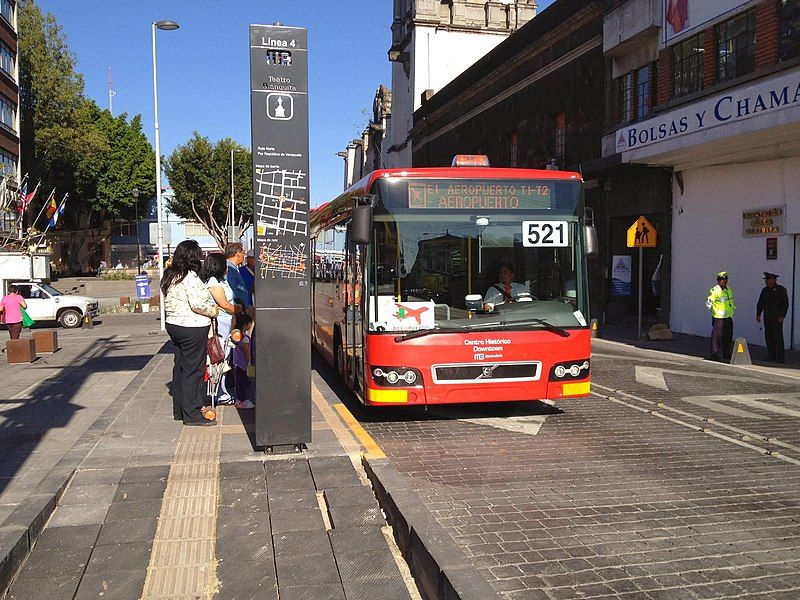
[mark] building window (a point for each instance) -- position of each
(126, 229)
(8, 163)
(6, 59)
(627, 97)
(561, 134)
(687, 62)
(736, 46)
(195, 230)
(790, 29)
(7, 11)
(643, 92)
(8, 113)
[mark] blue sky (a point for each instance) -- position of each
(203, 71)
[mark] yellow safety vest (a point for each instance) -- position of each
(720, 302)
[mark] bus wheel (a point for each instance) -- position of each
(338, 357)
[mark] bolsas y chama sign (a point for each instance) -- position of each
(737, 105)
(758, 222)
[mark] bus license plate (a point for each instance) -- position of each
(545, 233)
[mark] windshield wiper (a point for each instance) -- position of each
(547, 325)
(423, 332)
(493, 325)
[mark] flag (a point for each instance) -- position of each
(4, 192)
(59, 211)
(21, 199)
(655, 280)
(52, 207)
(25, 198)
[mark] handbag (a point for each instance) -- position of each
(26, 319)
(216, 354)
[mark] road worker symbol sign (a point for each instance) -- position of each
(642, 234)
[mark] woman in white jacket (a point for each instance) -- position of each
(189, 309)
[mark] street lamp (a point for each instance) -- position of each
(135, 194)
(166, 26)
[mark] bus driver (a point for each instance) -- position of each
(506, 290)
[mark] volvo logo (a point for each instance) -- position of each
(486, 372)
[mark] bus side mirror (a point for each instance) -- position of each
(590, 240)
(361, 226)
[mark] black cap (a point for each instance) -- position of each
(768, 275)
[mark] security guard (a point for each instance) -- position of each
(774, 303)
(720, 303)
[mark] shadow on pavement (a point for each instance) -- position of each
(49, 404)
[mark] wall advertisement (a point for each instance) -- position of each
(621, 275)
(685, 16)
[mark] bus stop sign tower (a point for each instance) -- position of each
(279, 121)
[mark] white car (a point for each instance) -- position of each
(46, 303)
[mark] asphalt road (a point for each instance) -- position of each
(677, 478)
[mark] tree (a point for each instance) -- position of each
(70, 143)
(199, 173)
(59, 142)
(129, 162)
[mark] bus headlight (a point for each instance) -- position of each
(397, 376)
(573, 369)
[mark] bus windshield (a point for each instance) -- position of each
(462, 253)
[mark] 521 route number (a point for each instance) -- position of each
(545, 233)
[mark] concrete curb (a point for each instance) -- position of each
(441, 570)
(19, 532)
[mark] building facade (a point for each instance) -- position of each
(710, 92)
(534, 101)
(433, 41)
(364, 155)
(9, 108)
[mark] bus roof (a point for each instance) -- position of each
(465, 173)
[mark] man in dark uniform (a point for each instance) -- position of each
(774, 303)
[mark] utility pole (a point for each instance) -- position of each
(111, 92)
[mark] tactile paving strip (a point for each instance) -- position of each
(182, 560)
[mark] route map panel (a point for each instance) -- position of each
(279, 120)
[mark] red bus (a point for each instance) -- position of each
(454, 285)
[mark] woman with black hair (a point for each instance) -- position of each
(189, 309)
(213, 275)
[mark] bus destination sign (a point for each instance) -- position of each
(485, 195)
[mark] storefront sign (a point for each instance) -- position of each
(758, 222)
(738, 105)
(772, 248)
(683, 16)
(621, 275)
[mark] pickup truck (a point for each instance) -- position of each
(46, 303)
(30, 272)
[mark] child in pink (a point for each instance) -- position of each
(11, 306)
(241, 358)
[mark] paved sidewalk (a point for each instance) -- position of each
(158, 510)
(46, 406)
(693, 345)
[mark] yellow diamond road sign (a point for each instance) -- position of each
(642, 234)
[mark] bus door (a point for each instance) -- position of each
(353, 327)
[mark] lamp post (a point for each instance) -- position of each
(135, 194)
(166, 26)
